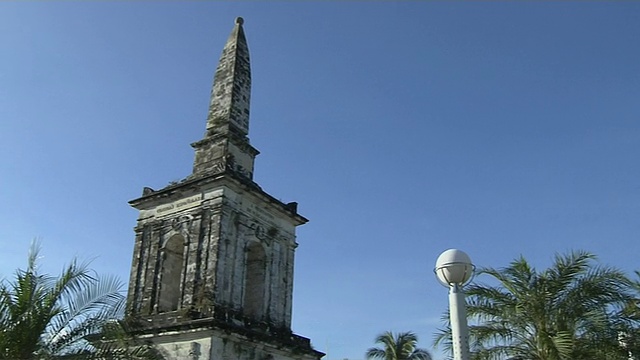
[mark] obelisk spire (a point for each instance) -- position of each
(231, 92)
(225, 146)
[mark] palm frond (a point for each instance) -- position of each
(401, 346)
(48, 317)
(555, 314)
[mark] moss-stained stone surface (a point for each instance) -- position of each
(212, 269)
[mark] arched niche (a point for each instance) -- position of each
(171, 275)
(254, 281)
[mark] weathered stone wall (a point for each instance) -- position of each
(244, 220)
(217, 154)
(194, 221)
(208, 344)
(210, 155)
(217, 227)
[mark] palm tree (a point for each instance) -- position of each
(569, 311)
(45, 317)
(402, 346)
(630, 337)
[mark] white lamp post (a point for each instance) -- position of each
(453, 270)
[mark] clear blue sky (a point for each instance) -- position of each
(402, 129)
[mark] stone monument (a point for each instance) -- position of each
(212, 270)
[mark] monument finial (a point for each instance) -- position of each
(230, 95)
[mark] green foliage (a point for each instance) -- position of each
(575, 309)
(46, 317)
(402, 346)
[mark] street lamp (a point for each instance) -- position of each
(453, 270)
